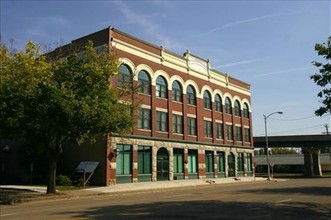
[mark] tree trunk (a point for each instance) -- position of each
(51, 174)
(53, 155)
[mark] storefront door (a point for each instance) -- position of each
(231, 165)
(162, 164)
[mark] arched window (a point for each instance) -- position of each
(161, 87)
(206, 100)
(228, 107)
(190, 95)
(237, 108)
(245, 110)
(218, 103)
(144, 82)
(125, 75)
(177, 93)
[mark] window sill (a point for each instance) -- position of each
(145, 94)
(162, 98)
(143, 129)
(178, 102)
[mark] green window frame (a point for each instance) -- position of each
(228, 107)
(178, 160)
(218, 103)
(209, 157)
(206, 100)
(144, 120)
(177, 92)
(190, 95)
(161, 87)
(192, 126)
(192, 161)
(124, 77)
(208, 129)
(229, 135)
(177, 124)
(161, 121)
(144, 159)
(247, 135)
(249, 162)
(219, 131)
(246, 111)
(144, 82)
(237, 111)
(124, 159)
(240, 161)
(221, 161)
(238, 134)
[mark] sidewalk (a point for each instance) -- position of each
(40, 192)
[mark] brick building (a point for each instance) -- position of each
(194, 122)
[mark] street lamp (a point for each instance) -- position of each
(266, 140)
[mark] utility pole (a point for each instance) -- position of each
(327, 129)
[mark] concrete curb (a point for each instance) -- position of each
(123, 188)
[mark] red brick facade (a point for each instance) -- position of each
(138, 55)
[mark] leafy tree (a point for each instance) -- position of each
(45, 102)
(323, 78)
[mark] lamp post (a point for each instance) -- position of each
(266, 140)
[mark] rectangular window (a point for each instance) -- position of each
(239, 134)
(162, 121)
(177, 124)
(144, 87)
(219, 130)
(208, 129)
(177, 95)
(192, 161)
(229, 132)
(161, 91)
(190, 97)
(247, 135)
(249, 162)
(123, 159)
(209, 161)
(191, 125)
(221, 161)
(240, 160)
(144, 159)
(178, 160)
(218, 106)
(144, 120)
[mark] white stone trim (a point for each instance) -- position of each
(177, 113)
(145, 106)
(161, 109)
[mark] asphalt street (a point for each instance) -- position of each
(291, 199)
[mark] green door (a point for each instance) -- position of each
(231, 165)
(162, 164)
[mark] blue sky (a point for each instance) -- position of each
(269, 44)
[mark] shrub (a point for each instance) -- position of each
(63, 180)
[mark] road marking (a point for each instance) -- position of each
(5, 215)
(285, 200)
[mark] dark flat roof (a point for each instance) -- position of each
(294, 140)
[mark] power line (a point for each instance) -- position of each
(296, 119)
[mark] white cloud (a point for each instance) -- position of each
(239, 63)
(282, 72)
(236, 23)
(148, 26)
